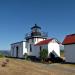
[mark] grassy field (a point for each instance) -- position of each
(23, 67)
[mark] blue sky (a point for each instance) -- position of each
(57, 17)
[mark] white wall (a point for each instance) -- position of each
(38, 40)
(69, 51)
(28, 48)
(24, 48)
(35, 40)
(54, 46)
(21, 49)
(36, 50)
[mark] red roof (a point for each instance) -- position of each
(44, 42)
(69, 39)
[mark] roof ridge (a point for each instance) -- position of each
(43, 42)
(71, 35)
(69, 39)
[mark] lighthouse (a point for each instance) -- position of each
(34, 42)
(35, 35)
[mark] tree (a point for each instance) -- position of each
(43, 54)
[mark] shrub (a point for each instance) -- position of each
(43, 54)
(4, 64)
(25, 55)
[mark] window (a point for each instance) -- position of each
(40, 48)
(30, 48)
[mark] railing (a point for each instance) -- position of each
(43, 34)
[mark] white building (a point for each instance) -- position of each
(52, 45)
(69, 48)
(31, 45)
(18, 49)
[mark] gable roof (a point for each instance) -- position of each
(69, 39)
(44, 42)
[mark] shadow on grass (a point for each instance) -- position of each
(47, 61)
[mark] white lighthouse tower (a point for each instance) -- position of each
(35, 36)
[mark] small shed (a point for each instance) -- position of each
(69, 48)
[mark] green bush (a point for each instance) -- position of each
(43, 54)
(25, 55)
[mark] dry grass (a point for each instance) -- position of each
(22, 67)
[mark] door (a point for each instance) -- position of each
(17, 48)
